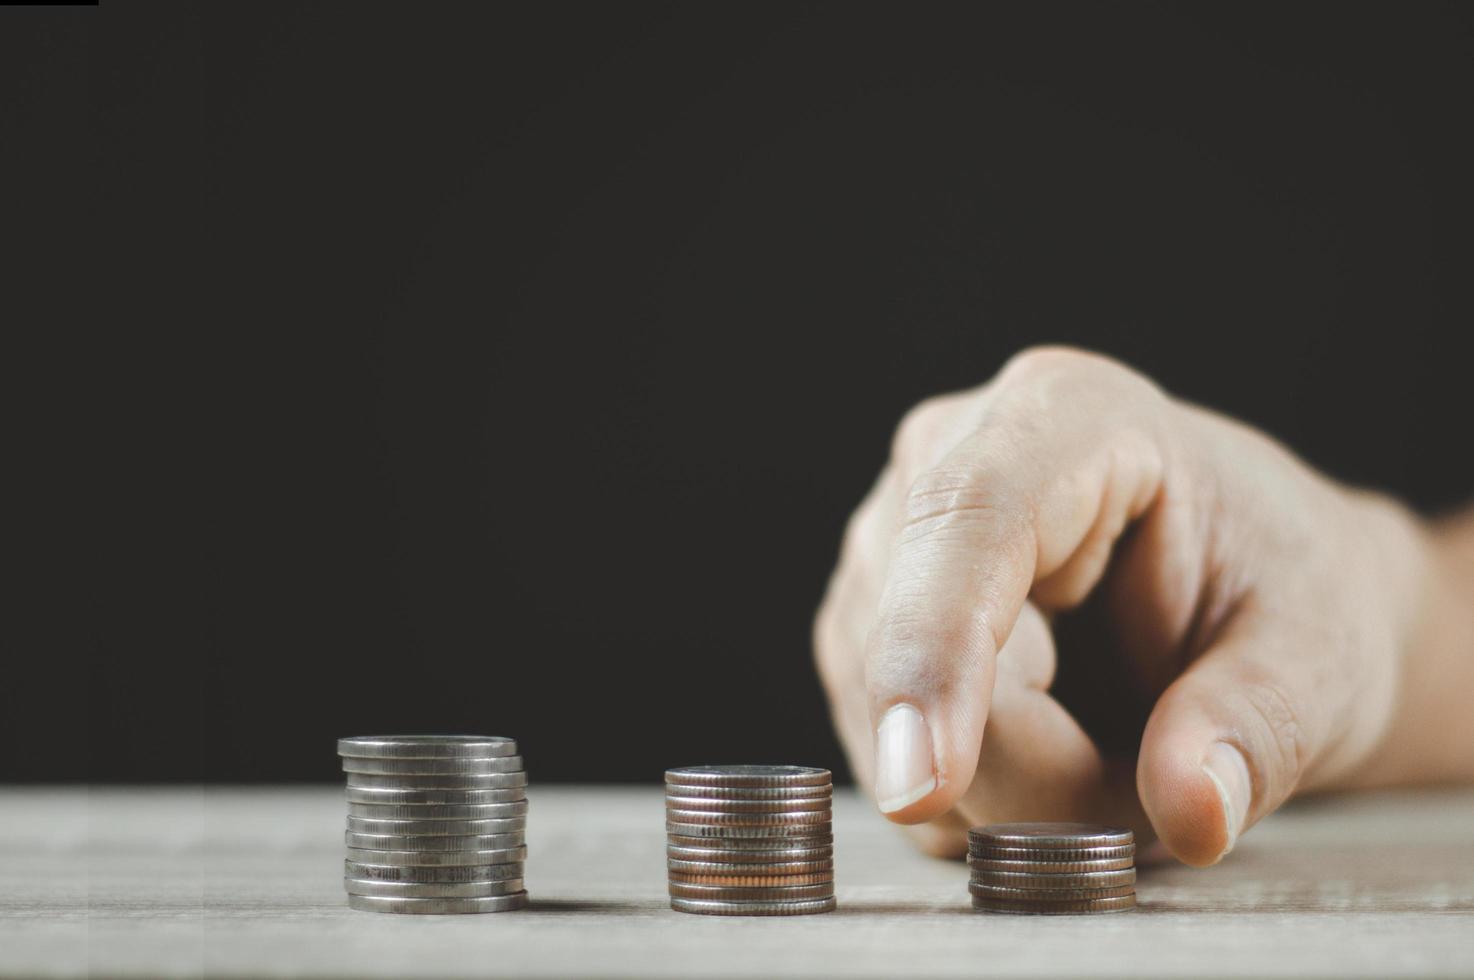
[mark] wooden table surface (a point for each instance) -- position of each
(246, 882)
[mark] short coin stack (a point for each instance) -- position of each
(749, 840)
(1051, 868)
(435, 823)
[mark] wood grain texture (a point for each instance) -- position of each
(247, 882)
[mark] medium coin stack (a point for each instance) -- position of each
(749, 840)
(435, 823)
(1051, 868)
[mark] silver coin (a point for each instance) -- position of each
(381, 796)
(1086, 907)
(1050, 867)
(413, 811)
(722, 893)
(708, 818)
(726, 855)
(1047, 894)
(496, 780)
(436, 859)
(1088, 879)
(454, 873)
(436, 828)
(427, 746)
(676, 866)
(715, 831)
(750, 793)
(748, 776)
(1063, 854)
(437, 906)
(728, 879)
(392, 842)
(431, 889)
(701, 906)
(757, 845)
(433, 767)
(1045, 835)
(802, 804)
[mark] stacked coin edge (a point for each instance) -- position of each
(750, 840)
(436, 824)
(1051, 869)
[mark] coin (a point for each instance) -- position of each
(720, 893)
(1089, 879)
(676, 866)
(752, 793)
(701, 831)
(427, 746)
(496, 780)
(435, 828)
(437, 906)
(730, 880)
(708, 818)
(1086, 907)
(391, 796)
(707, 907)
(1052, 854)
(703, 851)
(748, 776)
(1046, 894)
(436, 859)
(450, 811)
(762, 846)
(431, 889)
(1049, 867)
(471, 872)
(431, 767)
(1049, 835)
(714, 805)
(391, 842)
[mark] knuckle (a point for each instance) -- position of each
(945, 499)
(1286, 736)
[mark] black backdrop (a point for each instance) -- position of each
(513, 368)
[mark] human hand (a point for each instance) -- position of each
(1266, 610)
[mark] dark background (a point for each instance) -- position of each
(513, 368)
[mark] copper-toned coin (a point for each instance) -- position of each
(1051, 854)
(1042, 835)
(751, 881)
(1090, 879)
(793, 805)
(1050, 867)
(719, 893)
(1008, 894)
(1086, 907)
(748, 776)
(701, 906)
(678, 867)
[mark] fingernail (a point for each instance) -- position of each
(904, 768)
(1225, 765)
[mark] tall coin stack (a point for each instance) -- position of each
(436, 823)
(749, 840)
(1051, 868)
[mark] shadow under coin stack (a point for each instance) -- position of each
(436, 823)
(750, 840)
(1051, 868)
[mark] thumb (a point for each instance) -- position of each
(1234, 737)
